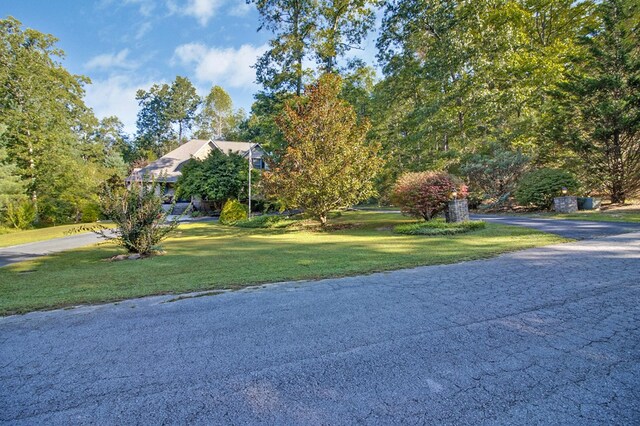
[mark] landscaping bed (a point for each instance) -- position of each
(439, 227)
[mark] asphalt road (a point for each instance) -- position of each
(542, 336)
(576, 229)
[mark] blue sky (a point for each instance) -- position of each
(125, 45)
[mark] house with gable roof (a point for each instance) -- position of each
(167, 169)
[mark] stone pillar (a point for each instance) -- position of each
(457, 211)
(565, 204)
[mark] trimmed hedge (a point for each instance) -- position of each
(437, 227)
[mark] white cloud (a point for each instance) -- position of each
(225, 66)
(110, 61)
(146, 7)
(239, 8)
(116, 96)
(202, 10)
(143, 29)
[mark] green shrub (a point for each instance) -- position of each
(90, 212)
(539, 187)
(137, 211)
(232, 212)
(20, 214)
(438, 227)
(264, 221)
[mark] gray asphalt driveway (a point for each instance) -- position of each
(543, 336)
(576, 229)
(28, 251)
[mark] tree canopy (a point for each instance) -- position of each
(327, 163)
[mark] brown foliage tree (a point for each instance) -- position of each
(327, 164)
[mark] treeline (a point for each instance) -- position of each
(486, 90)
(55, 155)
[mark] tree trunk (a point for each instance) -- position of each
(323, 219)
(617, 173)
(298, 53)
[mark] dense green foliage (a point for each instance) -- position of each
(11, 186)
(162, 107)
(484, 90)
(439, 227)
(232, 212)
(327, 164)
(495, 173)
(49, 135)
(141, 223)
(425, 194)
(20, 214)
(461, 75)
(597, 109)
(539, 187)
(217, 120)
(215, 179)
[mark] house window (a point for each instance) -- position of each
(258, 163)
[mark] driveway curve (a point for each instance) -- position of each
(22, 252)
(543, 336)
(576, 229)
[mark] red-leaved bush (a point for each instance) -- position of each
(425, 194)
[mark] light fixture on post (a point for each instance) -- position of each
(454, 194)
(564, 190)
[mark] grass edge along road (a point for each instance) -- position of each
(208, 256)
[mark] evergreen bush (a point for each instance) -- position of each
(232, 212)
(538, 188)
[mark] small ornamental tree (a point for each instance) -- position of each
(138, 214)
(327, 164)
(425, 194)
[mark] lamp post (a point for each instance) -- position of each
(250, 164)
(564, 190)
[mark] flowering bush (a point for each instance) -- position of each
(425, 194)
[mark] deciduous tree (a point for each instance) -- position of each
(327, 164)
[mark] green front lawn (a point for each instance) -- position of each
(15, 237)
(202, 256)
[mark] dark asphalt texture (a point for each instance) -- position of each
(576, 229)
(22, 252)
(543, 336)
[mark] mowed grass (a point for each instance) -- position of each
(203, 256)
(15, 237)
